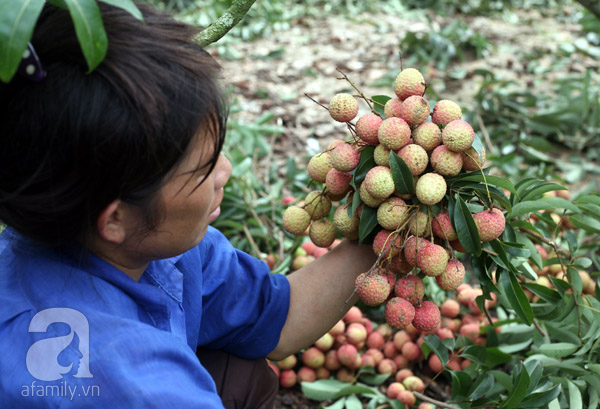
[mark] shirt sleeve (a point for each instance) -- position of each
(244, 306)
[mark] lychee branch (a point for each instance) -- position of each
(357, 90)
(315, 101)
(223, 24)
(435, 402)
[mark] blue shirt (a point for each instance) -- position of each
(76, 332)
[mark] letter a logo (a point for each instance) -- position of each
(42, 357)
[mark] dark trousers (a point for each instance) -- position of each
(241, 383)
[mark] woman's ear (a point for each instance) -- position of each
(111, 222)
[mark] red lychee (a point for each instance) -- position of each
(445, 111)
(386, 242)
(427, 317)
(452, 277)
(458, 135)
(394, 133)
(392, 108)
(399, 312)
(471, 159)
(414, 110)
(344, 157)
(367, 127)
(411, 288)
(432, 259)
(338, 182)
(412, 245)
(490, 224)
(446, 162)
(372, 289)
(427, 135)
(415, 158)
(409, 82)
(442, 227)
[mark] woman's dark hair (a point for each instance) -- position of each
(76, 141)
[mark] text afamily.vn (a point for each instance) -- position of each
(62, 389)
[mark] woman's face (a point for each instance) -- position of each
(186, 206)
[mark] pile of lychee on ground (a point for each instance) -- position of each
(356, 342)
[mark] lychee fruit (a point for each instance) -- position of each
(344, 157)
(322, 232)
(452, 277)
(413, 383)
(392, 213)
(343, 107)
(295, 220)
(415, 157)
(427, 135)
(394, 133)
(414, 110)
(409, 82)
(427, 317)
(445, 111)
(411, 288)
(446, 162)
(337, 182)
(366, 197)
(347, 225)
(318, 166)
(450, 308)
(347, 354)
(317, 205)
(411, 247)
(379, 182)
(372, 289)
(288, 378)
(432, 259)
(386, 242)
(333, 144)
(381, 155)
(442, 227)
(471, 159)
(306, 374)
(399, 312)
(490, 224)
(366, 128)
(431, 188)
(392, 108)
(313, 357)
(399, 265)
(420, 224)
(458, 135)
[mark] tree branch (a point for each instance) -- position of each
(223, 24)
(592, 5)
(435, 402)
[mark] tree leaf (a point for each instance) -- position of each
(323, 389)
(368, 222)
(90, 30)
(540, 190)
(465, 227)
(352, 402)
(587, 223)
(490, 179)
(519, 387)
(374, 379)
(531, 206)
(540, 399)
(575, 401)
(366, 163)
(558, 349)
(403, 178)
(516, 297)
(379, 104)
(17, 21)
(481, 386)
(435, 344)
(127, 5)
(593, 199)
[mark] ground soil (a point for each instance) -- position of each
(366, 49)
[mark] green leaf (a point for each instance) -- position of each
(535, 368)
(368, 222)
(545, 293)
(403, 178)
(338, 404)
(530, 206)
(593, 199)
(574, 279)
(352, 402)
(540, 399)
(379, 104)
(575, 401)
(490, 179)
(519, 387)
(355, 204)
(540, 190)
(374, 379)
(516, 297)
(17, 21)
(558, 349)
(127, 5)
(323, 389)
(587, 223)
(461, 382)
(481, 386)
(366, 163)
(465, 227)
(435, 344)
(90, 30)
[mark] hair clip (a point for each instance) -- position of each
(31, 67)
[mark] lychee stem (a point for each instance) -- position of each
(435, 402)
(360, 94)
(491, 203)
(315, 101)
